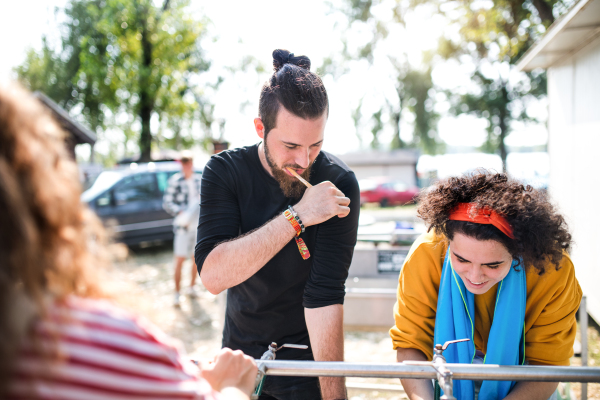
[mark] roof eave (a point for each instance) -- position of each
(526, 63)
(83, 134)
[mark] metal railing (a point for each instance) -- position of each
(583, 327)
(438, 369)
(405, 371)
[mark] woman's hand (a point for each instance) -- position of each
(231, 369)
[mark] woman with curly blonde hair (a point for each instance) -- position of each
(59, 339)
(493, 267)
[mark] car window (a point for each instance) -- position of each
(104, 182)
(136, 187)
(163, 179)
(103, 200)
(400, 187)
(367, 184)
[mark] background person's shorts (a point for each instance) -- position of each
(184, 242)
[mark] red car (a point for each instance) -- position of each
(386, 192)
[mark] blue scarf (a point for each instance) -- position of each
(455, 319)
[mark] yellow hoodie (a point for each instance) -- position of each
(552, 301)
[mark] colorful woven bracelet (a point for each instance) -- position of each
(290, 217)
(299, 242)
(303, 249)
(295, 214)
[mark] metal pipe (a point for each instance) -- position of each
(460, 371)
(583, 328)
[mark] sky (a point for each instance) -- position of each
(257, 28)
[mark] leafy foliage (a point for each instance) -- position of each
(494, 35)
(412, 94)
(123, 61)
(46, 72)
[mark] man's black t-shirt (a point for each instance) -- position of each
(238, 195)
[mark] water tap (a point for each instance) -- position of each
(267, 356)
(444, 375)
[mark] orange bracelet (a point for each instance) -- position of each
(299, 242)
(288, 215)
(303, 249)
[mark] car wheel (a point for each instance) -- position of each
(384, 202)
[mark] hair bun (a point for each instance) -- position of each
(282, 57)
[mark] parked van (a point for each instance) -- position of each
(128, 200)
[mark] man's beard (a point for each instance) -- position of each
(290, 185)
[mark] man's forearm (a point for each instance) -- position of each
(326, 331)
(233, 262)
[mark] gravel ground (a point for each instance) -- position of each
(141, 280)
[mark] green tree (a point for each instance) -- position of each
(419, 87)
(494, 35)
(46, 72)
(499, 102)
(413, 85)
(125, 57)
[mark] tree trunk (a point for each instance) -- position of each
(397, 142)
(503, 127)
(544, 11)
(177, 139)
(146, 134)
(396, 118)
(377, 127)
(146, 96)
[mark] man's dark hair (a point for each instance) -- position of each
(294, 87)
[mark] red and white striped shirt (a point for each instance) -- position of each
(104, 353)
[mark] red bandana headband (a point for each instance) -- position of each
(462, 212)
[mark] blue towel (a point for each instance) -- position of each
(455, 319)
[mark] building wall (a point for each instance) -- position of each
(400, 165)
(404, 173)
(574, 149)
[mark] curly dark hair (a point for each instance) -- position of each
(541, 233)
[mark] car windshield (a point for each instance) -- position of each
(367, 184)
(400, 187)
(104, 181)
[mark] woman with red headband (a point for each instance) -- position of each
(493, 267)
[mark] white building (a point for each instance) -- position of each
(400, 165)
(570, 51)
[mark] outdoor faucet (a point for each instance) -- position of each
(444, 375)
(267, 356)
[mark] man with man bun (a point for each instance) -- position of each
(281, 249)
